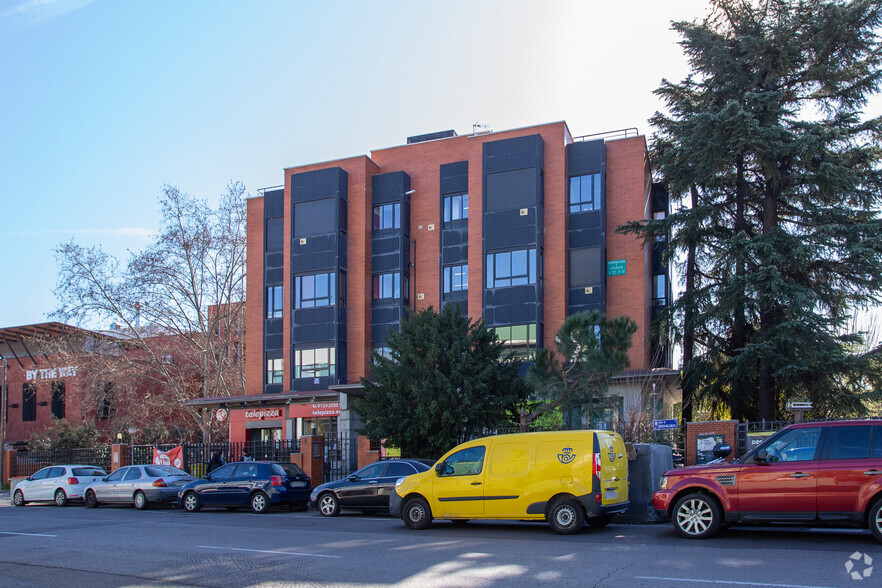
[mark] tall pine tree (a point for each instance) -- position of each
(779, 182)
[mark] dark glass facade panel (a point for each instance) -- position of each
(274, 235)
(511, 190)
(58, 400)
(585, 267)
(274, 370)
(315, 217)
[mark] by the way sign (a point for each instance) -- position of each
(664, 425)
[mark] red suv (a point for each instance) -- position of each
(827, 473)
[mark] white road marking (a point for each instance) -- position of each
(269, 551)
(727, 582)
(26, 534)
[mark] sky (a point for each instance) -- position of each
(103, 102)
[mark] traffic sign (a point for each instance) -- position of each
(664, 425)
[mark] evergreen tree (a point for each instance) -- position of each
(780, 185)
(591, 348)
(442, 383)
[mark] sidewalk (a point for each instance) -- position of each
(4, 497)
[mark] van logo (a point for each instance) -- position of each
(612, 455)
(566, 455)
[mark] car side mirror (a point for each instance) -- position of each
(722, 450)
(207, 477)
(761, 456)
(353, 478)
(439, 467)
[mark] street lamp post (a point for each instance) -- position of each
(132, 431)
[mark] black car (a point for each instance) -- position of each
(367, 489)
(257, 484)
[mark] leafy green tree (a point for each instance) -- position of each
(778, 180)
(442, 383)
(65, 435)
(591, 348)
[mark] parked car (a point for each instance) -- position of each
(256, 484)
(60, 483)
(140, 485)
(825, 473)
(367, 489)
(565, 478)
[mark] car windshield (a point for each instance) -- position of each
(286, 469)
(158, 471)
(89, 472)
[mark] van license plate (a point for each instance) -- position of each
(610, 493)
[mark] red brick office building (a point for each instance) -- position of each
(517, 227)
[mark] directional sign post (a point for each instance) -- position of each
(664, 425)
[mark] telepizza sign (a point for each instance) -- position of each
(259, 414)
(314, 410)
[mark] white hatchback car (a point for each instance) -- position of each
(59, 484)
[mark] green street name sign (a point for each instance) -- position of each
(616, 267)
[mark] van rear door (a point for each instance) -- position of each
(613, 468)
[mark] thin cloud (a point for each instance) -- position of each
(34, 12)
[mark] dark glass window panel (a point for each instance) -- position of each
(57, 406)
(849, 442)
(585, 267)
(28, 402)
(316, 217)
(274, 235)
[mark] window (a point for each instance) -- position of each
(383, 352)
(456, 278)
(274, 371)
(659, 290)
(315, 363)
(57, 406)
(511, 268)
(375, 470)
(105, 401)
(132, 474)
(520, 340)
(387, 285)
(848, 442)
(274, 302)
(468, 462)
(28, 402)
(223, 473)
(315, 290)
(117, 475)
(792, 445)
(387, 216)
(398, 468)
(456, 207)
(659, 216)
(585, 193)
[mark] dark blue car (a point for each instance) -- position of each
(256, 484)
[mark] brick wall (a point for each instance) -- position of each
(254, 365)
(727, 428)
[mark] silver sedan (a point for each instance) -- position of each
(141, 485)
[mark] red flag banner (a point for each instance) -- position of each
(173, 457)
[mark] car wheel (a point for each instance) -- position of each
(60, 497)
(18, 498)
(696, 516)
(600, 521)
(566, 516)
(140, 501)
(416, 514)
(90, 499)
(875, 519)
(328, 505)
(191, 502)
(259, 502)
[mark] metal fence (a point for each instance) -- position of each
(341, 458)
(631, 431)
(28, 462)
(195, 455)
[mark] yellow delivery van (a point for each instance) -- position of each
(564, 477)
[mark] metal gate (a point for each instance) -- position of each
(341, 458)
